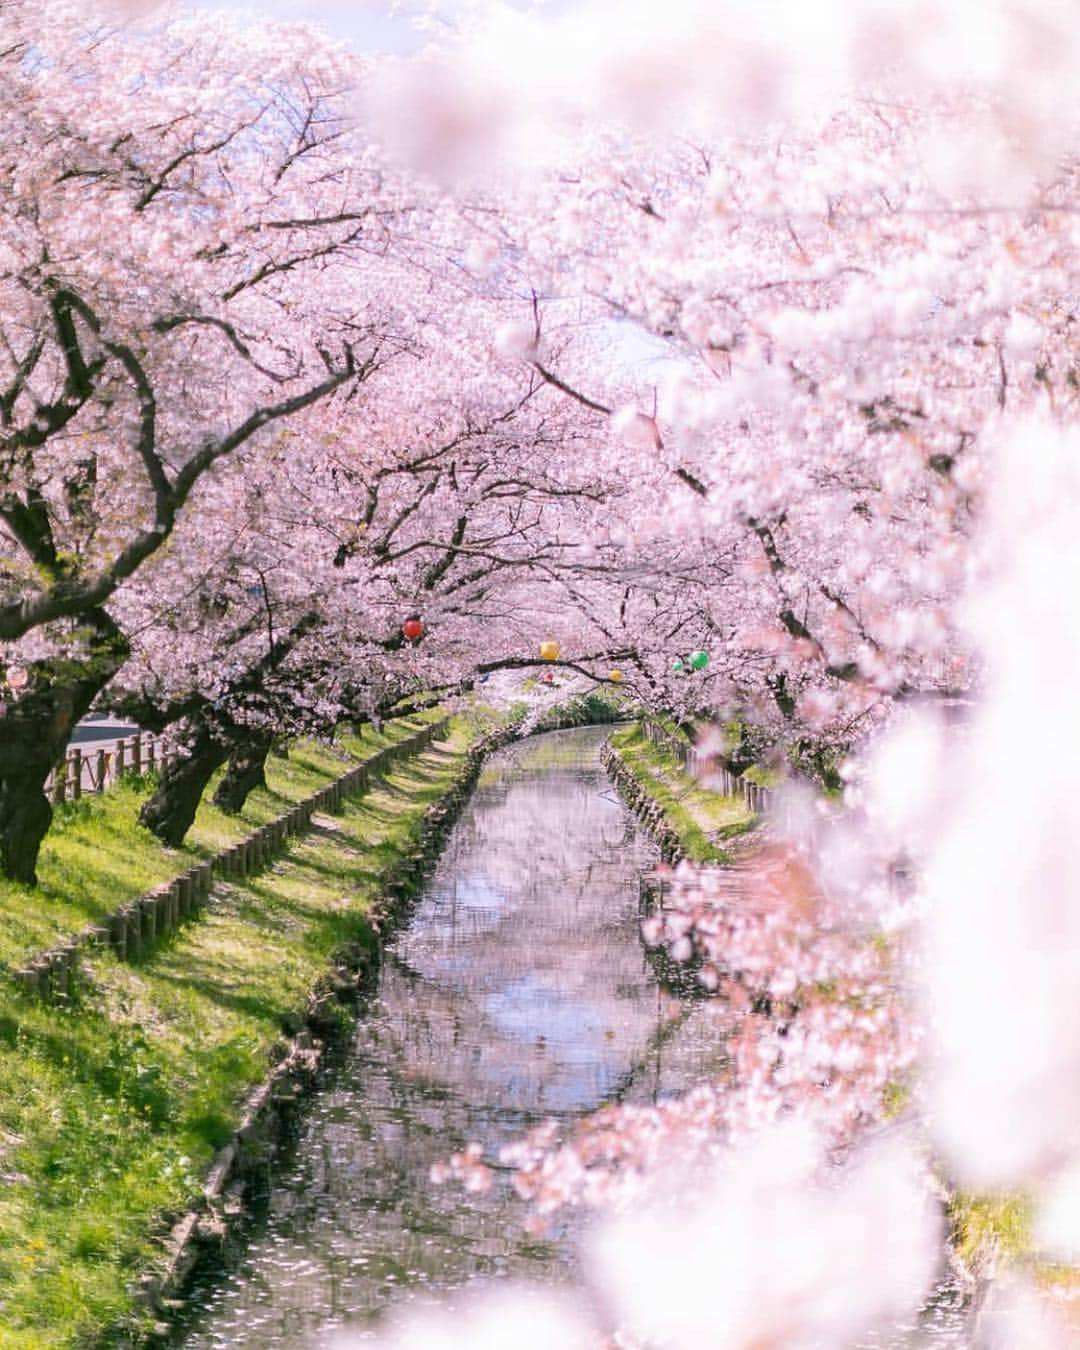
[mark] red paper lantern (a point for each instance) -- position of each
(413, 629)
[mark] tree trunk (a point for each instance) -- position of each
(169, 813)
(246, 772)
(34, 734)
(27, 755)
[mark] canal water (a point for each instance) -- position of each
(519, 992)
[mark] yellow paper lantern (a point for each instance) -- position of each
(550, 650)
(615, 677)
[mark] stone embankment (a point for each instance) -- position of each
(648, 811)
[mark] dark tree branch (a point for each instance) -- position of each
(439, 569)
(169, 322)
(69, 599)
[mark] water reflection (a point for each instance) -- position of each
(519, 992)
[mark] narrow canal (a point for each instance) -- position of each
(519, 992)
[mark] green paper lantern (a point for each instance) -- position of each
(699, 660)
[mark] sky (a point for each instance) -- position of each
(367, 24)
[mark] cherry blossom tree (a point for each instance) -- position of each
(675, 333)
(175, 206)
(856, 250)
(291, 616)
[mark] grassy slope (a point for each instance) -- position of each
(988, 1230)
(110, 1111)
(96, 856)
(700, 818)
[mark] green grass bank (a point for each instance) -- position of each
(96, 856)
(113, 1106)
(703, 821)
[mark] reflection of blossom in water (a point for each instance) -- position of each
(512, 934)
(446, 1055)
(494, 1321)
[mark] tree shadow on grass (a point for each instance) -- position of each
(269, 795)
(250, 987)
(265, 1007)
(269, 903)
(365, 880)
(416, 788)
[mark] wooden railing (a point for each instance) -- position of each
(143, 919)
(720, 778)
(96, 768)
(756, 797)
(682, 749)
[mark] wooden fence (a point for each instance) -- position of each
(681, 749)
(718, 778)
(98, 767)
(143, 919)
